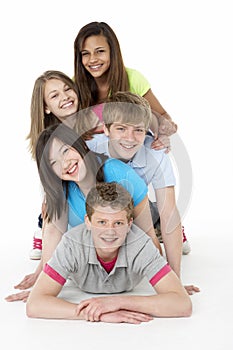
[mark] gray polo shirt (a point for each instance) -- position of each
(154, 167)
(75, 256)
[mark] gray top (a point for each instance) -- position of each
(75, 256)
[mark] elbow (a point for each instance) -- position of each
(187, 308)
(31, 310)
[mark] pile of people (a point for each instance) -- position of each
(100, 139)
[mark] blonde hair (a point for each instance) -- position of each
(39, 119)
(127, 108)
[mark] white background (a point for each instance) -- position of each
(184, 48)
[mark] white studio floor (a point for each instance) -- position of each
(210, 325)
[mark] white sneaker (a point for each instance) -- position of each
(36, 251)
(186, 249)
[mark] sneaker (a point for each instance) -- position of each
(35, 253)
(158, 233)
(186, 249)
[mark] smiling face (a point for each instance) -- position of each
(60, 99)
(125, 139)
(96, 55)
(66, 162)
(109, 228)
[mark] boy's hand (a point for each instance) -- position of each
(93, 308)
(126, 317)
(161, 142)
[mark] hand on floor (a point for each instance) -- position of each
(27, 282)
(22, 296)
(191, 289)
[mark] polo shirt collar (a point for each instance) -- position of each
(121, 259)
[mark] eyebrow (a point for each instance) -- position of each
(56, 90)
(97, 48)
(128, 124)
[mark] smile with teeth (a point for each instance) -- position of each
(66, 105)
(127, 146)
(96, 67)
(72, 169)
(109, 240)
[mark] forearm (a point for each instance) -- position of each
(143, 219)
(39, 268)
(170, 304)
(51, 307)
(173, 247)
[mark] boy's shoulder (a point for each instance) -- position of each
(99, 143)
(77, 234)
(146, 153)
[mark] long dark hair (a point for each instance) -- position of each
(56, 190)
(117, 75)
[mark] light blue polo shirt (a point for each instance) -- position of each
(154, 167)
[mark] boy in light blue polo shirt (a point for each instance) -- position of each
(108, 254)
(127, 118)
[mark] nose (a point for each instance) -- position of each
(129, 135)
(110, 230)
(93, 57)
(64, 96)
(65, 162)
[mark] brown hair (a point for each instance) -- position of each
(109, 194)
(39, 119)
(117, 75)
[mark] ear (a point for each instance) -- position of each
(106, 131)
(47, 111)
(130, 223)
(87, 222)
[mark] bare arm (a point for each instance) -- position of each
(143, 219)
(170, 226)
(166, 125)
(44, 303)
(171, 300)
(52, 233)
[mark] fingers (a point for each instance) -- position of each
(162, 142)
(22, 296)
(125, 316)
(191, 289)
(26, 283)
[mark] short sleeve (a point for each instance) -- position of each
(138, 84)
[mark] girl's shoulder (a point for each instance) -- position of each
(138, 84)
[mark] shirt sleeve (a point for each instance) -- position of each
(138, 84)
(62, 262)
(148, 261)
(116, 170)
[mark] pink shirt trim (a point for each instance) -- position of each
(98, 109)
(54, 274)
(108, 266)
(160, 274)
